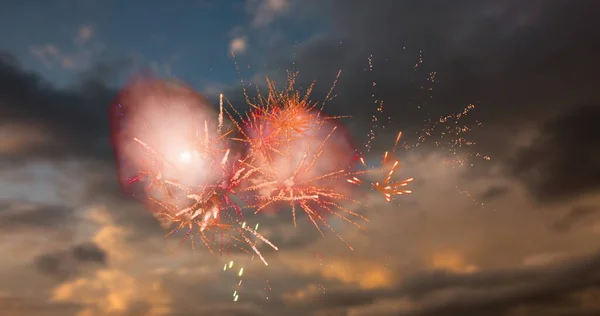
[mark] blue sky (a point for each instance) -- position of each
(191, 40)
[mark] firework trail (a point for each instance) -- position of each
(240, 272)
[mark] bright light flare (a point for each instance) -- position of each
(185, 156)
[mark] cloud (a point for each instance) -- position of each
(562, 162)
(266, 11)
(494, 193)
(105, 290)
(542, 288)
(66, 263)
(363, 273)
(576, 216)
(163, 68)
(113, 292)
(451, 261)
(47, 54)
(111, 236)
(89, 252)
(22, 215)
(17, 305)
(20, 137)
(71, 122)
(420, 256)
(482, 52)
(83, 53)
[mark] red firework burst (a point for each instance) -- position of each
(297, 156)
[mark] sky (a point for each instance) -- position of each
(515, 234)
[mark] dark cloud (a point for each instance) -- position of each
(67, 263)
(576, 216)
(514, 59)
(74, 121)
(486, 293)
(17, 305)
(495, 53)
(563, 161)
(15, 215)
(89, 252)
(494, 193)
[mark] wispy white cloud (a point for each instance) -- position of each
(265, 12)
(259, 30)
(80, 56)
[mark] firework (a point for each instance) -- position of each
(169, 143)
(299, 156)
(176, 155)
(386, 186)
(448, 134)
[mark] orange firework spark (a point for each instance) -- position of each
(387, 187)
(283, 133)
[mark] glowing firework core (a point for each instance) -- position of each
(172, 155)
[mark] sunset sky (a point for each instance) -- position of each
(516, 235)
